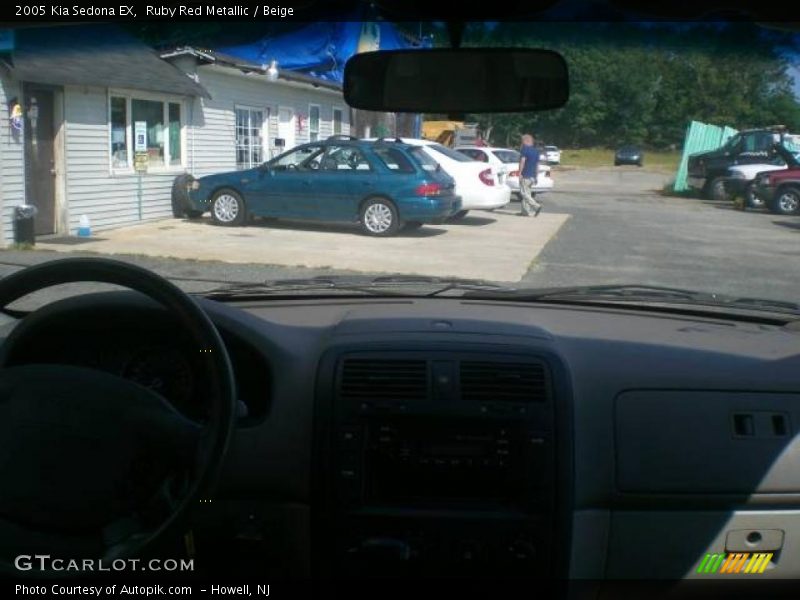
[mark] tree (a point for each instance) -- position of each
(643, 83)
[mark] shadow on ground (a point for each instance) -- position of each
(425, 231)
(794, 224)
(473, 221)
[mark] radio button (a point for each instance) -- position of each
(521, 549)
(468, 551)
(348, 474)
(350, 437)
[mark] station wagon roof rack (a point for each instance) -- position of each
(342, 136)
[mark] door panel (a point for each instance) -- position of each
(288, 184)
(278, 194)
(345, 177)
(40, 167)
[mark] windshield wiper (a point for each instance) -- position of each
(645, 294)
(445, 284)
(425, 286)
(387, 285)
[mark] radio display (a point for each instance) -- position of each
(461, 450)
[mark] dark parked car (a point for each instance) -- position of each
(629, 155)
(383, 185)
(780, 190)
(708, 171)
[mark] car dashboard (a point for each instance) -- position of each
(452, 436)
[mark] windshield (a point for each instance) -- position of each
(140, 162)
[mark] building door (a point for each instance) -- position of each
(287, 127)
(40, 163)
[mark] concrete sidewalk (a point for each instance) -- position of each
(497, 246)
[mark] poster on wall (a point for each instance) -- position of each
(140, 136)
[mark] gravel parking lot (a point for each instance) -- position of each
(483, 245)
(620, 229)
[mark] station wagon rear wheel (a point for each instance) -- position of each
(227, 208)
(379, 217)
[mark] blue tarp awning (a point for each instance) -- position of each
(321, 49)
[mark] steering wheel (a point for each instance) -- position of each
(93, 465)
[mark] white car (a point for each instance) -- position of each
(552, 155)
(741, 178)
(481, 186)
(507, 161)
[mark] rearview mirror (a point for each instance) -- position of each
(468, 80)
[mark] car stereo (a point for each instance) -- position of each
(437, 460)
(425, 461)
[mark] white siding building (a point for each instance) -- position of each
(75, 153)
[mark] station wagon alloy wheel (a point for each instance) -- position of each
(227, 208)
(378, 217)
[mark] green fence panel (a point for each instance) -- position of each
(700, 137)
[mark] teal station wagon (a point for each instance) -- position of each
(384, 186)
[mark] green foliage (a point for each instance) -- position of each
(633, 83)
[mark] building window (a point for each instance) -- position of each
(119, 132)
(249, 138)
(163, 126)
(174, 120)
(337, 121)
(151, 113)
(313, 123)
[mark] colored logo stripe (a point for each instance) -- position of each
(711, 563)
(735, 562)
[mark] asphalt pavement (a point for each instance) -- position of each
(622, 230)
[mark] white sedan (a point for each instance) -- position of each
(481, 186)
(552, 155)
(507, 161)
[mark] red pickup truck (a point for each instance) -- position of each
(780, 190)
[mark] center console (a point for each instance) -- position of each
(439, 463)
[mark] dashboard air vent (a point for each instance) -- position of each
(512, 382)
(384, 379)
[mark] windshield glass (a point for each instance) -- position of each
(253, 167)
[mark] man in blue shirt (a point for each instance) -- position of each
(528, 170)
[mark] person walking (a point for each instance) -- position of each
(528, 169)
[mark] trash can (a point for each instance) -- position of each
(23, 224)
